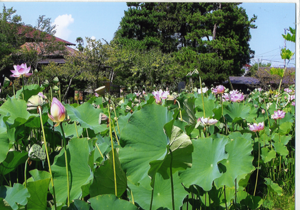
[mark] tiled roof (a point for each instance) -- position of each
(39, 47)
(29, 33)
(243, 80)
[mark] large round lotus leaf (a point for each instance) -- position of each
(238, 111)
(208, 152)
(4, 145)
(86, 115)
(79, 171)
(38, 194)
(144, 140)
(12, 160)
(70, 129)
(162, 196)
(239, 162)
(209, 106)
(181, 156)
(17, 112)
(79, 205)
(110, 202)
(188, 111)
(15, 195)
(29, 90)
(103, 182)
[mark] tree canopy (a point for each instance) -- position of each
(212, 37)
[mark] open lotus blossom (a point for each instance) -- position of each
(257, 127)
(207, 121)
(278, 115)
(259, 89)
(58, 112)
(21, 70)
(219, 89)
(292, 97)
(293, 103)
(159, 95)
(238, 97)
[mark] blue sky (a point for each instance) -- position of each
(101, 20)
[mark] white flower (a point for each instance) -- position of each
(205, 89)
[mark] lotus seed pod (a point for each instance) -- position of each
(36, 71)
(100, 90)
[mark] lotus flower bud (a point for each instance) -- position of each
(55, 80)
(58, 112)
(55, 88)
(6, 82)
(35, 101)
(46, 83)
(36, 71)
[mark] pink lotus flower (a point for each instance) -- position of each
(207, 121)
(58, 112)
(225, 97)
(21, 70)
(219, 89)
(293, 103)
(238, 97)
(257, 127)
(278, 115)
(96, 94)
(158, 95)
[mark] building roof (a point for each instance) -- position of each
(243, 80)
(30, 32)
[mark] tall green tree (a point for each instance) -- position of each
(212, 37)
(10, 42)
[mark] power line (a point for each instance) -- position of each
(267, 52)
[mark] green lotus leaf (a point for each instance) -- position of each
(4, 144)
(267, 154)
(39, 175)
(238, 164)
(181, 157)
(13, 159)
(79, 171)
(209, 106)
(15, 195)
(38, 191)
(110, 202)
(4, 205)
(208, 152)
(103, 182)
(16, 110)
(29, 91)
(79, 205)
(237, 111)
(280, 148)
(281, 138)
(188, 111)
(274, 186)
(86, 115)
(162, 197)
(285, 128)
(122, 120)
(144, 140)
(70, 129)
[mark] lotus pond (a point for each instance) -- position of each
(193, 150)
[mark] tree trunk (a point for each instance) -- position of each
(215, 26)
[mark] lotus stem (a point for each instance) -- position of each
(225, 197)
(23, 88)
(48, 159)
(66, 161)
(117, 120)
(113, 154)
(132, 198)
(25, 169)
(14, 90)
(116, 134)
(179, 109)
(99, 150)
(202, 97)
(151, 201)
(258, 159)
(172, 185)
(76, 129)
